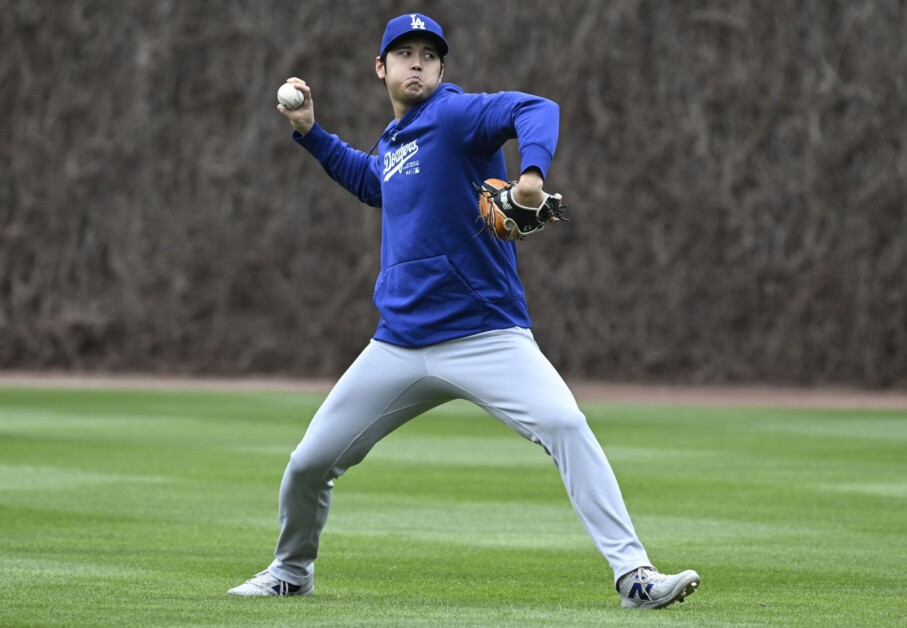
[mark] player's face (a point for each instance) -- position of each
(413, 70)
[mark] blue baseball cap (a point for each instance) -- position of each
(412, 23)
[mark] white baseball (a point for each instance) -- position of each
(289, 96)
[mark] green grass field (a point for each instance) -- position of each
(143, 507)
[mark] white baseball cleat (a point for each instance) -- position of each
(264, 584)
(647, 588)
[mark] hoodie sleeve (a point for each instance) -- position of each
(355, 170)
(485, 121)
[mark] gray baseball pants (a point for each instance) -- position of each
(503, 372)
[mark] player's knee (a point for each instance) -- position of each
(306, 465)
(318, 464)
(561, 420)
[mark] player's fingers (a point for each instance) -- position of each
(302, 86)
(307, 92)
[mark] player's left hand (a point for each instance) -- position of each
(507, 217)
(528, 190)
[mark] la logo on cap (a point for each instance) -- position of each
(417, 22)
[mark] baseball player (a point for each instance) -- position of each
(454, 322)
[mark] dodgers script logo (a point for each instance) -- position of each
(416, 21)
(394, 162)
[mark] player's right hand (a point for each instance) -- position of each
(302, 118)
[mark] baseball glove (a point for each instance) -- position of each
(506, 219)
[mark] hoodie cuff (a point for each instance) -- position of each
(314, 141)
(535, 155)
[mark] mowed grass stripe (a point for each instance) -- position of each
(143, 507)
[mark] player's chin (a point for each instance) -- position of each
(414, 96)
(419, 92)
(414, 87)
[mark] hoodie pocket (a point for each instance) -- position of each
(420, 298)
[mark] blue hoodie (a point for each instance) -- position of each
(440, 278)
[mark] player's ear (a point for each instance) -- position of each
(441, 76)
(379, 68)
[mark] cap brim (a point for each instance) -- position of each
(442, 45)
